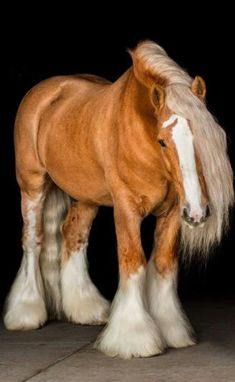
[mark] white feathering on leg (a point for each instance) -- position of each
(82, 302)
(166, 309)
(131, 331)
(25, 306)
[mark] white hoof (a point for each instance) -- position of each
(179, 335)
(135, 339)
(25, 306)
(166, 310)
(26, 316)
(91, 309)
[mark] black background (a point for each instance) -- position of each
(44, 42)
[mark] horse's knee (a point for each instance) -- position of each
(76, 227)
(164, 263)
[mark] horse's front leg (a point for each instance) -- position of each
(163, 300)
(130, 332)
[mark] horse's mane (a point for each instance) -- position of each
(209, 139)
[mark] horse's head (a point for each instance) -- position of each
(182, 163)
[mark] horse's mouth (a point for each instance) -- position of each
(193, 225)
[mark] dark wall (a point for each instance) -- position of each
(80, 41)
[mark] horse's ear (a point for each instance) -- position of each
(138, 68)
(142, 74)
(199, 87)
(143, 70)
(157, 97)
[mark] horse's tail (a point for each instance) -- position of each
(56, 206)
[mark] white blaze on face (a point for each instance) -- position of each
(183, 140)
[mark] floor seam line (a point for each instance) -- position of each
(59, 360)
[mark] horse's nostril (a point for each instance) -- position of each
(185, 212)
(208, 212)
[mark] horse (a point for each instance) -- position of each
(145, 144)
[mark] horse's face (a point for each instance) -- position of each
(182, 165)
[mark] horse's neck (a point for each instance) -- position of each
(137, 111)
(132, 133)
(138, 124)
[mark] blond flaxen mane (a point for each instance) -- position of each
(209, 140)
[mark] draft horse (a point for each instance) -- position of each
(143, 144)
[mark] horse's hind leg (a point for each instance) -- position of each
(25, 307)
(163, 300)
(81, 300)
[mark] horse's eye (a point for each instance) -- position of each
(162, 143)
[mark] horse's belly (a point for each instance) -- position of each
(81, 185)
(67, 153)
(84, 188)
(77, 173)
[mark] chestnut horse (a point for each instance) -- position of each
(143, 144)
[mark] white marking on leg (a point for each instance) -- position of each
(82, 302)
(166, 309)
(131, 331)
(25, 308)
(31, 239)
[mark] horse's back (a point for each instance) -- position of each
(42, 124)
(50, 90)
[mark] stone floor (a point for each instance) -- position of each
(64, 352)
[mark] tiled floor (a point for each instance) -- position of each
(64, 352)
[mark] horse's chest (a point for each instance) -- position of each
(150, 195)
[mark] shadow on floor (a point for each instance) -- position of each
(64, 352)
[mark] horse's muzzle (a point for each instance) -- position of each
(195, 219)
